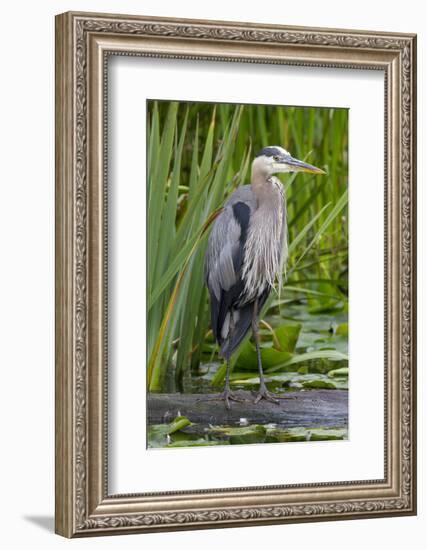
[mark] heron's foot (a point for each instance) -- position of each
(264, 393)
(227, 395)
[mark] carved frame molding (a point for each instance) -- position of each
(83, 43)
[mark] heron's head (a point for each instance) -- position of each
(274, 159)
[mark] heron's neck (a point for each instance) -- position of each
(264, 187)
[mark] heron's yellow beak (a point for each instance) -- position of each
(296, 165)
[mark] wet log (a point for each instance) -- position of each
(310, 408)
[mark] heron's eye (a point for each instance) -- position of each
(276, 157)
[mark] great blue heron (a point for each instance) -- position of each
(246, 251)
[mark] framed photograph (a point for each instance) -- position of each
(235, 274)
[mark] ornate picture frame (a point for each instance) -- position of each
(84, 42)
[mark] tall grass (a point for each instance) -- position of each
(197, 155)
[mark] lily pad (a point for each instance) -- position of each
(280, 381)
(281, 435)
(331, 305)
(342, 329)
(331, 355)
(338, 372)
(270, 357)
(167, 429)
(320, 384)
(196, 443)
(287, 336)
(243, 434)
(247, 359)
(159, 434)
(325, 434)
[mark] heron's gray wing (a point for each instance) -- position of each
(223, 252)
(223, 262)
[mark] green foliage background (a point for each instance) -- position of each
(198, 153)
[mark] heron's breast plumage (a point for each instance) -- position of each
(265, 247)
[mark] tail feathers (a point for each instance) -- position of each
(241, 327)
(240, 330)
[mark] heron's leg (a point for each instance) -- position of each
(263, 392)
(227, 395)
(227, 378)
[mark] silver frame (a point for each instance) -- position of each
(83, 43)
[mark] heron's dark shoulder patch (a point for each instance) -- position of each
(242, 213)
